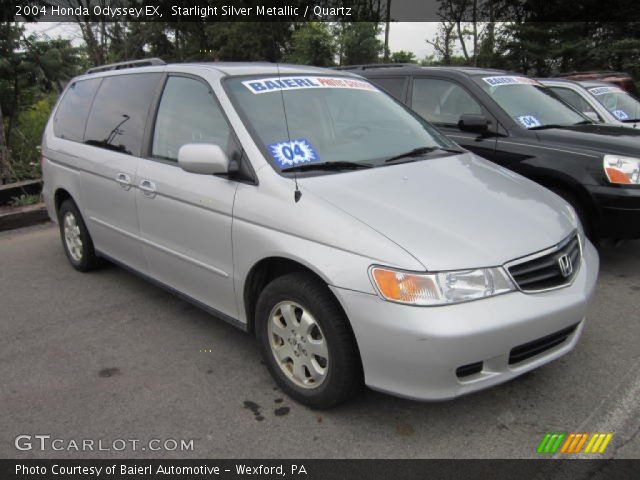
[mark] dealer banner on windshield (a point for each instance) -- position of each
(498, 81)
(275, 84)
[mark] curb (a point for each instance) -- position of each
(23, 216)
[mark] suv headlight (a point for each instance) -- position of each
(622, 170)
(441, 288)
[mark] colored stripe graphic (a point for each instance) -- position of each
(598, 443)
(551, 442)
(573, 443)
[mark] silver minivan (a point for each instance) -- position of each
(313, 210)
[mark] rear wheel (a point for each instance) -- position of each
(306, 341)
(76, 240)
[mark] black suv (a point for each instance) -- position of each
(518, 123)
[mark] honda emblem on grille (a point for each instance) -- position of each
(566, 267)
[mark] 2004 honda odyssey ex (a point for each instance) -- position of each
(309, 207)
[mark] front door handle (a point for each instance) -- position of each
(124, 180)
(148, 188)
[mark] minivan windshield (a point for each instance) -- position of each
(331, 121)
(529, 103)
(622, 105)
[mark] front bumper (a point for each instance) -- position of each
(619, 211)
(414, 352)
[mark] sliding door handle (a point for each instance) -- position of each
(148, 188)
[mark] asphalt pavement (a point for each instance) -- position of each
(107, 356)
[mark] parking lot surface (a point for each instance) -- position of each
(107, 356)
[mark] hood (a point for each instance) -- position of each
(597, 138)
(452, 212)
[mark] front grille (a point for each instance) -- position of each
(531, 349)
(544, 271)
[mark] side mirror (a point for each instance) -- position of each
(472, 122)
(203, 158)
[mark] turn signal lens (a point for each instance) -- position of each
(440, 288)
(404, 287)
(622, 170)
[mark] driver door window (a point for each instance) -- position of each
(442, 102)
(577, 102)
(188, 113)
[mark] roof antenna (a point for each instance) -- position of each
(297, 194)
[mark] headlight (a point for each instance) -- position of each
(622, 170)
(440, 288)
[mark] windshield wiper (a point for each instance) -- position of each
(550, 125)
(341, 165)
(416, 152)
(557, 125)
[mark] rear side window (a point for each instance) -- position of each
(119, 114)
(188, 113)
(71, 115)
(394, 85)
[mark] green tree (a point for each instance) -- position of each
(403, 56)
(30, 68)
(359, 43)
(9, 44)
(312, 44)
(27, 137)
(248, 41)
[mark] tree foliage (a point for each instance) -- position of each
(402, 56)
(359, 43)
(30, 69)
(313, 44)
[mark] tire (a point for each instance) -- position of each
(581, 211)
(75, 237)
(316, 319)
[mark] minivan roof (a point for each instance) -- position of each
(227, 68)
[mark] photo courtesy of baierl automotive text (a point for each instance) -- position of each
(264, 231)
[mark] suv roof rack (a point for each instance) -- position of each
(146, 62)
(376, 65)
(593, 72)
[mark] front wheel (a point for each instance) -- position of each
(306, 341)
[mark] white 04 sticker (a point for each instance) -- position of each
(292, 153)
(620, 114)
(529, 121)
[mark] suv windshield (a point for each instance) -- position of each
(529, 103)
(329, 119)
(623, 106)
